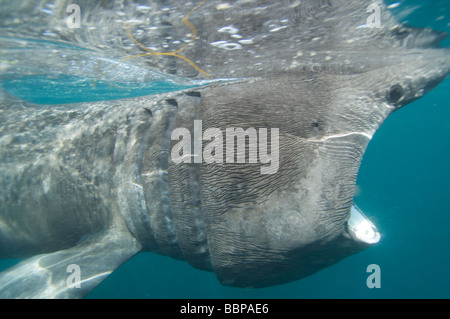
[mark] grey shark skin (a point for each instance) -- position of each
(92, 184)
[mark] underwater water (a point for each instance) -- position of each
(404, 188)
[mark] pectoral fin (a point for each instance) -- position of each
(70, 273)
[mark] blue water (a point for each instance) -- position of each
(404, 184)
(64, 89)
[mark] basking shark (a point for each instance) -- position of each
(85, 186)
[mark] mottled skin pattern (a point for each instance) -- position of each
(92, 184)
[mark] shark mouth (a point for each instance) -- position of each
(361, 228)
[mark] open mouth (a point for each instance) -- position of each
(361, 228)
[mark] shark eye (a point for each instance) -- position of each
(395, 93)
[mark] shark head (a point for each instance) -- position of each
(327, 81)
(409, 62)
(417, 72)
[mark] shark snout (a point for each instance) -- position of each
(432, 38)
(412, 37)
(420, 71)
(441, 66)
